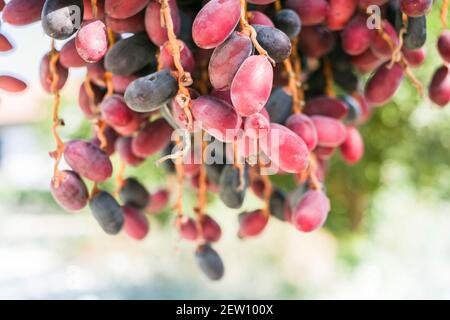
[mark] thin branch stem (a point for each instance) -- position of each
(444, 13)
(180, 181)
(184, 78)
(251, 32)
(120, 176)
(398, 57)
(315, 182)
(57, 154)
(94, 8)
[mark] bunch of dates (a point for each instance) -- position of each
(226, 93)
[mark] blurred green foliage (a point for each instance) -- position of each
(396, 133)
(409, 132)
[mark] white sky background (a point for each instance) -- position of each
(30, 44)
(22, 152)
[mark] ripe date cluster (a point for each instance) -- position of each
(276, 82)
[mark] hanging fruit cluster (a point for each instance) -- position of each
(257, 79)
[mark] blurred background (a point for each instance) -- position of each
(387, 235)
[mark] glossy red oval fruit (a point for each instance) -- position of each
(352, 150)
(187, 229)
(136, 224)
(123, 148)
(330, 132)
(304, 127)
(257, 125)
(88, 160)
(439, 89)
(152, 138)
(22, 12)
(252, 85)
(69, 56)
(122, 9)
(133, 24)
(415, 58)
(5, 45)
(317, 41)
(311, 212)
(12, 84)
(444, 45)
(257, 17)
(70, 191)
(186, 57)
(285, 149)
(216, 117)
(155, 31)
(215, 22)
(324, 153)
(227, 58)
(415, 8)
(356, 37)
(326, 106)
(115, 111)
(46, 76)
(252, 224)
(121, 83)
(159, 200)
(382, 86)
(257, 186)
(311, 12)
(91, 41)
(367, 61)
(380, 47)
(130, 128)
(340, 12)
(210, 229)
